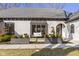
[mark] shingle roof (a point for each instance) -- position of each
(75, 16)
(33, 12)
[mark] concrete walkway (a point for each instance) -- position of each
(32, 46)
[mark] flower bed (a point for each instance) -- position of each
(54, 38)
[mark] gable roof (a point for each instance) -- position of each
(33, 13)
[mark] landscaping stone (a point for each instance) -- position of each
(41, 39)
(32, 39)
(37, 39)
(53, 40)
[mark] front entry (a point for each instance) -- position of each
(38, 27)
(59, 28)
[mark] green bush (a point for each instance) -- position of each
(52, 35)
(58, 36)
(1, 38)
(20, 36)
(13, 36)
(5, 38)
(26, 36)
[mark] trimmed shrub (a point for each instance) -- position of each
(1, 38)
(5, 38)
(58, 36)
(55, 36)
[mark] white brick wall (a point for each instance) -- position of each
(75, 35)
(21, 27)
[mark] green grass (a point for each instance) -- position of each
(41, 52)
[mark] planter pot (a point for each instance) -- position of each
(53, 40)
(19, 41)
(59, 40)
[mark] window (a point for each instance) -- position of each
(72, 28)
(9, 28)
(38, 28)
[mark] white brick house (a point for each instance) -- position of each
(32, 20)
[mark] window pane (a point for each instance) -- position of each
(72, 28)
(33, 28)
(9, 28)
(38, 28)
(43, 30)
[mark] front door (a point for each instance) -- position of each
(59, 29)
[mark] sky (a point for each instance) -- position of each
(72, 7)
(69, 7)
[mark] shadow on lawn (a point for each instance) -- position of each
(54, 51)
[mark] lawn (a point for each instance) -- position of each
(41, 52)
